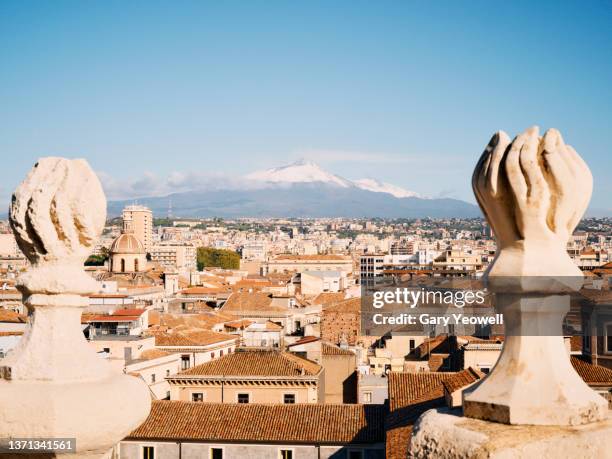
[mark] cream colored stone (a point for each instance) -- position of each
(53, 384)
(446, 434)
(533, 191)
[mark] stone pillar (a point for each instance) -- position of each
(533, 191)
(53, 384)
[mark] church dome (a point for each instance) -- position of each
(127, 243)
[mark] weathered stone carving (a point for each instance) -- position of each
(533, 191)
(54, 384)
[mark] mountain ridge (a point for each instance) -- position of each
(307, 200)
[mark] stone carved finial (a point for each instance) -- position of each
(57, 215)
(58, 212)
(533, 191)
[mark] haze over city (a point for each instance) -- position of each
(162, 99)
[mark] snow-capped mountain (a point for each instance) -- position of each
(301, 171)
(302, 189)
(304, 171)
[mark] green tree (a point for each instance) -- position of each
(218, 258)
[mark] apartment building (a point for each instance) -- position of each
(301, 263)
(141, 219)
(175, 255)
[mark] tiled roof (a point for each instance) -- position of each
(592, 374)
(399, 423)
(439, 345)
(151, 354)
(410, 395)
(405, 388)
(461, 379)
(348, 305)
(305, 340)
(328, 298)
(238, 324)
(205, 320)
(297, 423)
(250, 301)
(191, 338)
(330, 349)
(256, 363)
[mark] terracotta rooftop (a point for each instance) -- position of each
(406, 388)
(593, 375)
(328, 298)
(461, 379)
(150, 354)
(330, 349)
(345, 305)
(238, 324)
(284, 423)
(305, 340)
(410, 395)
(250, 301)
(192, 338)
(256, 363)
(204, 320)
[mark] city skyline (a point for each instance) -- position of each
(403, 93)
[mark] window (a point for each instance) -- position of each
(152, 378)
(367, 397)
(285, 454)
(148, 452)
(212, 355)
(221, 353)
(609, 338)
(184, 362)
(107, 350)
(355, 454)
(197, 397)
(412, 344)
(216, 453)
(243, 398)
(167, 373)
(289, 398)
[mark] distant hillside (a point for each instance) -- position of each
(314, 199)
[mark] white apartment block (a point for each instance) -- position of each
(179, 256)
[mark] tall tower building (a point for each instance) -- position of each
(140, 220)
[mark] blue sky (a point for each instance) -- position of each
(162, 95)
